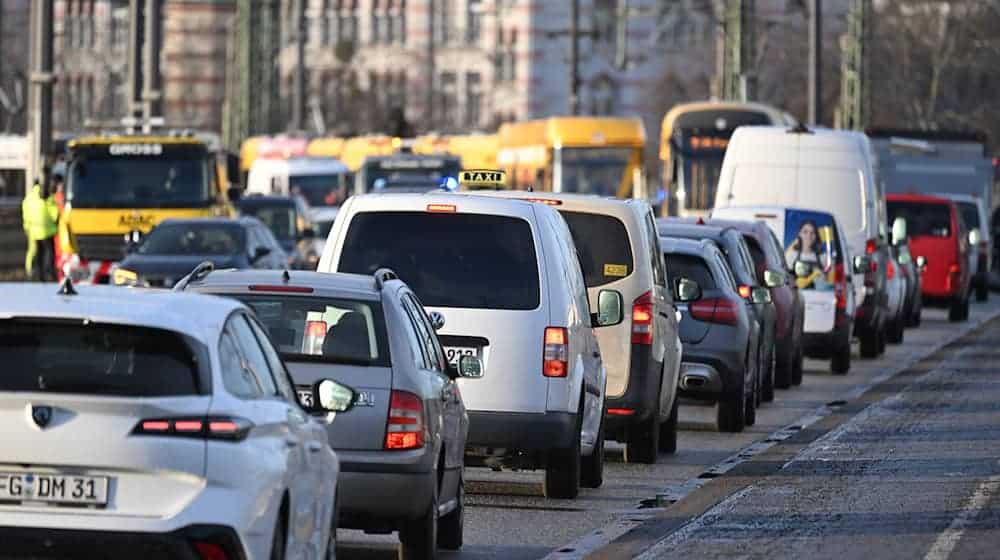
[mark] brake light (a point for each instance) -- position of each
(722, 311)
(548, 201)
(283, 289)
(555, 352)
(840, 286)
(870, 246)
(405, 427)
(621, 411)
(210, 551)
(954, 268)
(890, 271)
(212, 427)
(642, 319)
(447, 208)
(745, 292)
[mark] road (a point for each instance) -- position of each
(897, 459)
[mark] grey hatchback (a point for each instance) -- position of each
(401, 449)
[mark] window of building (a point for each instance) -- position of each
(401, 22)
(443, 25)
(347, 22)
(473, 20)
(447, 99)
(603, 96)
(119, 28)
(390, 22)
(473, 99)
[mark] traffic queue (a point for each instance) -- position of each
(285, 386)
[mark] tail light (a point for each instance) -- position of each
(840, 286)
(621, 411)
(555, 352)
(229, 428)
(745, 291)
(210, 551)
(890, 271)
(642, 319)
(870, 246)
(405, 427)
(722, 311)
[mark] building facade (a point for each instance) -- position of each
(14, 41)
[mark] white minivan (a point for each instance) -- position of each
(501, 281)
(832, 170)
(322, 181)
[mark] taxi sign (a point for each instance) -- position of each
(482, 178)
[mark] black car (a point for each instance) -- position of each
(175, 247)
(288, 219)
(732, 244)
(718, 331)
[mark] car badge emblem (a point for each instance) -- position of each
(41, 415)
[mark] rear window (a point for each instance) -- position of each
(96, 359)
(474, 261)
(970, 214)
(323, 329)
(603, 245)
(691, 267)
(922, 218)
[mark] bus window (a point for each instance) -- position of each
(593, 170)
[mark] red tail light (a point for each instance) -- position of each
(745, 292)
(890, 271)
(840, 286)
(405, 427)
(642, 319)
(211, 427)
(210, 551)
(722, 311)
(621, 411)
(870, 246)
(555, 352)
(953, 268)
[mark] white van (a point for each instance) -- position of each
(322, 181)
(832, 170)
(502, 281)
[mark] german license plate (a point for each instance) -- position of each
(305, 396)
(453, 353)
(53, 488)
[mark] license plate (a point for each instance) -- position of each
(53, 488)
(305, 396)
(453, 353)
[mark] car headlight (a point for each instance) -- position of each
(124, 277)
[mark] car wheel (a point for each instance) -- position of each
(731, 412)
(983, 290)
(562, 469)
(279, 540)
(797, 365)
(451, 527)
(869, 343)
(668, 431)
(592, 466)
(780, 372)
(840, 363)
(959, 310)
(418, 538)
(881, 342)
(750, 410)
(643, 442)
(895, 334)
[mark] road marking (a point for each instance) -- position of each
(948, 540)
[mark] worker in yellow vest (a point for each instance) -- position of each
(40, 216)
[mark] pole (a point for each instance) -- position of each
(134, 86)
(41, 86)
(151, 92)
(815, 62)
(574, 58)
(299, 87)
(431, 67)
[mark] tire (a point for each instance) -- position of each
(959, 310)
(840, 363)
(983, 289)
(881, 342)
(668, 431)
(914, 319)
(451, 527)
(797, 365)
(895, 332)
(418, 538)
(750, 410)
(562, 470)
(730, 414)
(770, 381)
(592, 466)
(783, 373)
(279, 540)
(643, 442)
(869, 343)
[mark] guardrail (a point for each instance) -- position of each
(12, 242)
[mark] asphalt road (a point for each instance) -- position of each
(837, 467)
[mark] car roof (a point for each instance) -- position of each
(686, 246)
(196, 315)
(257, 200)
(464, 204)
(915, 197)
(681, 226)
(331, 284)
(235, 222)
(744, 226)
(961, 197)
(574, 201)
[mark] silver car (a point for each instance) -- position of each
(402, 447)
(156, 424)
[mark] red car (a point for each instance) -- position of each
(936, 231)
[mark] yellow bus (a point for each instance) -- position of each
(599, 155)
(693, 141)
(477, 151)
(117, 185)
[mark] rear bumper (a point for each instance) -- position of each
(379, 500)
(724, 366)
(823, 345)
(641, 393)
(522, 431)
(39, 543)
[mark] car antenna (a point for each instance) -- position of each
(285, 276)
(66, 288)
(199, 272)
(800, 128)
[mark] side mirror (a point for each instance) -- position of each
(898, 231)
(921, 263)
(760, 294)
(803, 269)
(470, 367)
(437, 320)
(774, 279)
(687, 290)
(975, 237)
(259, 253)
(234, 194)
(610, 309)
(330, 396)
(862, 263)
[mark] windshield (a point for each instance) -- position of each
(139, 182)
(411, 174)
(922, 218)
(970, 214)
(603, 246)
(279, 219)
(450, 260)
(95, 359)
(699, 164)
(319, 190)
(692, 267)
(594, 170)
(193, 239)
(332, 330)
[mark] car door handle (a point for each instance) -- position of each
(314, 446)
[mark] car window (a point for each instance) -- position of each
(477, 261)
(415, 337)
(691, 267)
(573, 267)
(659, 265)
(253, 355)
(775, 245)
(727, 271)
(428, 336)
(192, 239)
(602, 244)
(922, 218)
(276, 366)
(970, 214)
(236, 378)
(757, 256)
(746, 260)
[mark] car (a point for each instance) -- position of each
(974, 214)
(505, 277)
(402, 448)
(757, 298)
(322, 181)
(619, 249)
(769, 259)
(161, 422)
(322, 219)
(289, 220)
(938, 234)
(912, 269)
(175, 247)
(717, 328)
(830, 170)
(896, 302)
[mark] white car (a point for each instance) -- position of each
(505, 278)
(145, 420)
